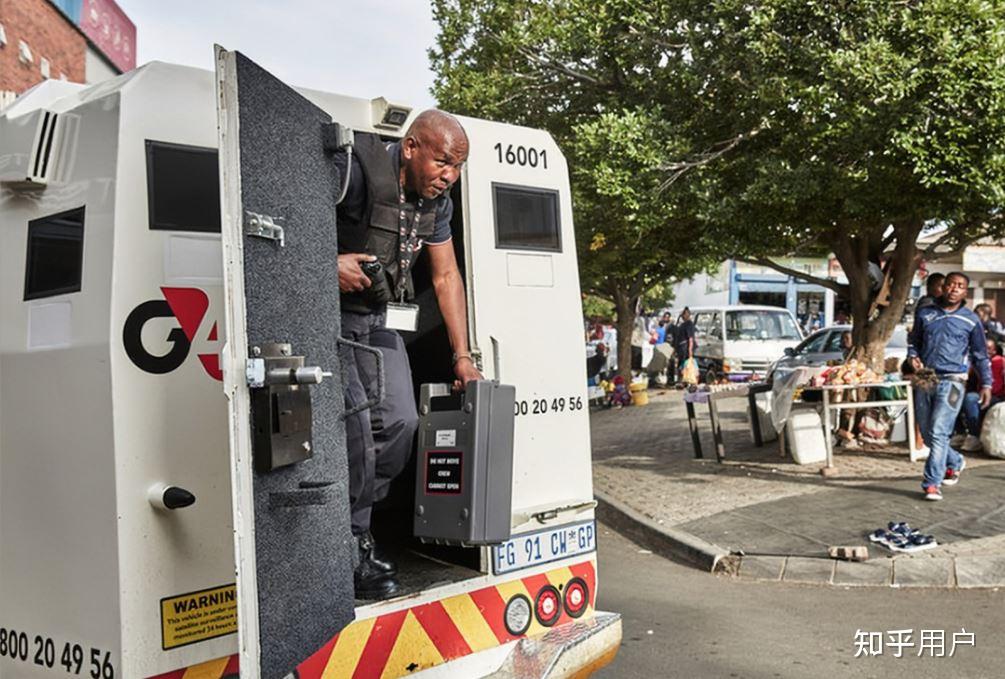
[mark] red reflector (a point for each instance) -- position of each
(548, 607)
(577, 597)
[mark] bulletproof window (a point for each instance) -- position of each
(183, 187)
(55, 255)
(526, 218)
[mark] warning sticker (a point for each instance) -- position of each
(198, 616)
(446, 438)
(443, 472)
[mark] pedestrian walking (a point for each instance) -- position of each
(947, 338)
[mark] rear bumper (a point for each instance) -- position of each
(569, 651)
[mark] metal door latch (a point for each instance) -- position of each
(264, 226)
(281, 408)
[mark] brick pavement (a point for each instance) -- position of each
(643, 460)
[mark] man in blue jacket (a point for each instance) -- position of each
(946, 337)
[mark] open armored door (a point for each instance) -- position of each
(291, 511)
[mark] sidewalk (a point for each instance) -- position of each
(760, 516)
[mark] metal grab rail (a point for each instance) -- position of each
(381, 387)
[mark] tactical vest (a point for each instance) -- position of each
(380, 233)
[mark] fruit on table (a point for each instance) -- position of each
(852, 372)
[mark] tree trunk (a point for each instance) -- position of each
(624, 306)
(873, 325)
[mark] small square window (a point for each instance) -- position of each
(526, 218)
(43, 67)
(55, 255)
(183, 187)
(24, 52)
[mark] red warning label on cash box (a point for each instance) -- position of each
(443, 472)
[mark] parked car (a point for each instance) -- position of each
(825, 345)
(742, 340)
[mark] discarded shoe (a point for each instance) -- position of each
(881, 536)
(902, 528)
(894, 531)
(914, 543)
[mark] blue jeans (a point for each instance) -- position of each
(972, 413)
(936, 411)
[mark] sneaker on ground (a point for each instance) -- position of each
(881, 536)
(923, 451)
(957, 440)
(953, 475)
(971, 444)
(933, 493)
(902, 528)
(914, 543)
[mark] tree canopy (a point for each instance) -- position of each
(703, 130)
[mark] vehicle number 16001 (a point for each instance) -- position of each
(522, 155)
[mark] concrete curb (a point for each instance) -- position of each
(663, 540)
(938, 572)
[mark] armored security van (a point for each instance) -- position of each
(173, 481)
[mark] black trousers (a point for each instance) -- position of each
(379, 439)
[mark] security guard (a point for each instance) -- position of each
(397, 199)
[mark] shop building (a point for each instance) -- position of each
(816, 306)
(742, 283)
(83, 41)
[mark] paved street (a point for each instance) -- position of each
(782, 517)
(680, 622)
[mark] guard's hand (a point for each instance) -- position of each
(985, 397)
(350, 277)
(466, 372)
(917, 364)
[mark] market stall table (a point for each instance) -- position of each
(828, 405)
(748, 391)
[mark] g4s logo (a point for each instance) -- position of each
(188, 306)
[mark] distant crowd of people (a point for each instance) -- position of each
(674, 341)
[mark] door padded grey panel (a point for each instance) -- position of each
(304, 547)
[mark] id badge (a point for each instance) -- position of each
(402, 317)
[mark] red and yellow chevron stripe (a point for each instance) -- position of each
(403, 642)
(214, 669)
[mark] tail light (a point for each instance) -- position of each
(577, 597)
(548, 607)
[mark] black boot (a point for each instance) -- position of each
(371, 581)
(368, 552)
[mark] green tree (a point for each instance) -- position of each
(565, 67)
(701, 129)
(874, 120)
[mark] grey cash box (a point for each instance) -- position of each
(464, 467)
